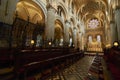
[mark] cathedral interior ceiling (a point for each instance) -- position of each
(91, 8)
(87, 9)
(27, 8)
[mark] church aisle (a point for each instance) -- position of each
(77, 71)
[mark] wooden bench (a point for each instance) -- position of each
(46, 61)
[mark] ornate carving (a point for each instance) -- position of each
(49, 6)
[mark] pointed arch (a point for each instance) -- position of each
(63, 8)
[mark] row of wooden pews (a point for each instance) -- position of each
(96, 69)
(7, 63)
(29, 62)
(112, 57)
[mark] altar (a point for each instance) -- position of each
(94, 46)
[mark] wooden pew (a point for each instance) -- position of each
(28, 61)
(43, 61)
(7, 63)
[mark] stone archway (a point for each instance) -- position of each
(70, 37)
(29, 17)
(59, 35)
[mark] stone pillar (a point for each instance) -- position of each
(83, 41)
(113, 32)
(66, 33)
(75, 38)
(107, 36)
(50, 24)
(117, 20)
(7, 9)
(80, 41)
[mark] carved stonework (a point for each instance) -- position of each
(49, 6)
(117, 8)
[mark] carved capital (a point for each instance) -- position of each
(67, 21)
(49, 6)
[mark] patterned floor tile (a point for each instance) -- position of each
(77, 71)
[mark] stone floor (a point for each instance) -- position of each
(80, 70)
(87, 68)
(77, 71)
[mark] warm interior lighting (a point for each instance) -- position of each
(32, 42)
(116, 44)
(108, 45)
(49, 43)
(109, 1)
(106, 13)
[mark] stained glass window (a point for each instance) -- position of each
(90, 38)
(93, 23)
(98, 38)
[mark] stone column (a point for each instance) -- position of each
(113, 32)
(80, 40)
(7, 9)
(83, 41)
(50, 24)
(117, 20)
(66, 33)
(75, 38)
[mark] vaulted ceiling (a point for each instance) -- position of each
(89, 9)
(100, 9)
(26, 8)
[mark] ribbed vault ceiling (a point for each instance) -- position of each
(91, 8)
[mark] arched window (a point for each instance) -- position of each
(39, 41)
(98, 38)
(70, 42)
(90, 38)
(59, 12)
